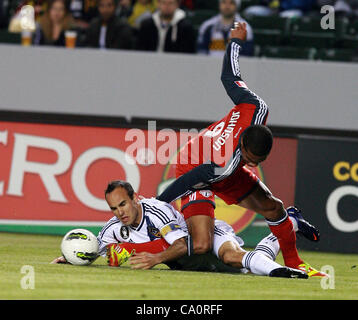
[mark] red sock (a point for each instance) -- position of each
(155, 246)
(287, 239)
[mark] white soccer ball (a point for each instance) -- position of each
(79, 247)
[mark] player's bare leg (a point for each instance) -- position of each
(201, 230)
(231, 254)
(263, 202)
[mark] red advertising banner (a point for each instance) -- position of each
(60, 172)
(55, 175)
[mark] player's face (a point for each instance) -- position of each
(127, 210)
(249, 158)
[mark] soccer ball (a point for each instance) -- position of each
(79, 247)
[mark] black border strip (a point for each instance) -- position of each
(161, 123)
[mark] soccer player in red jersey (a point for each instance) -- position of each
(216, 161)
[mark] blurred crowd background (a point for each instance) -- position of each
(277, 28)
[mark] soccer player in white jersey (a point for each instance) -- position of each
(151, 232)
(142, 221)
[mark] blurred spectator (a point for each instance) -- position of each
(4, 17)
(295, 8)
(264, 8)
(40, 6)
(167, 30)
(142, 10)
(124, 9)
(214, 33)
(108, 30)
(83, 11)
(15, 6)
(285, 8)
(51, 27)
(344, 8)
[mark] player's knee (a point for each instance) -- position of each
(273, 208)
(202, 246)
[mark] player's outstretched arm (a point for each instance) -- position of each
(196, 178)
(231, 74)
(146, 260)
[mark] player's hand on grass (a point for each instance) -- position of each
(59, 260)
(144, 260)
(117, 255)
(239, 31)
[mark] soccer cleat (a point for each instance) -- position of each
(311, 272)
(306, 229)
(286, 272)
(117, 255)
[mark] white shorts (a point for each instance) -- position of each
(210, 262)
(223, 232)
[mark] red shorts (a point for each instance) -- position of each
(232, 190)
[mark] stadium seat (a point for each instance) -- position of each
(206, 5)
(346, 55)
(288, 52)
(248, 3)
(349, 39)
(270, 30)
(308, 32)
(312, 39)
(352, 29)
(197, 17)
(348, 42)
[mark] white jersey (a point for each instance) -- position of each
(159, 220)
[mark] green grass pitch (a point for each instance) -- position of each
(99, 281)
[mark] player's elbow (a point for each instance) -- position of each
(181, 246)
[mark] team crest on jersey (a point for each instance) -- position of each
(154, 231)
(206, 193)
(124, 232)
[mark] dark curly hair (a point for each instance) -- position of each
(258, 139)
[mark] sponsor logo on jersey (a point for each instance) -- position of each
(216, 131)
(192, 197)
